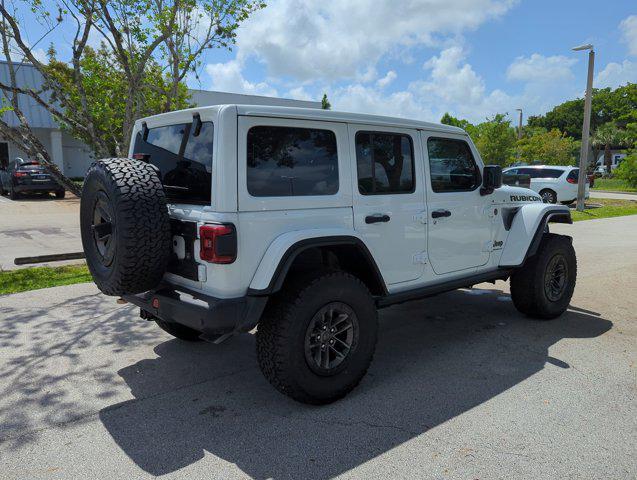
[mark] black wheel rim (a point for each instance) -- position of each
(103, 229)
(331, 338)
(556, 278)
(547, 197)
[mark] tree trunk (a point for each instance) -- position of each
(608, 158)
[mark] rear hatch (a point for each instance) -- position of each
(33, 174)
(182, 153)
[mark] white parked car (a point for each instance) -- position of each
(553, 183)
(302, 223)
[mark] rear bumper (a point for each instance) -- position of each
(206, 314)
(37, 187)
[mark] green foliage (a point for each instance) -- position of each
(325, 103)
(447, 119)
(609, 208)
(613, 185)
(21, 280)
(106, 92)
(609, 134)
(495, 140)
(627, 169)
(549, 148)
(619, 106)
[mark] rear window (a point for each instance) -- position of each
(288, 161)
(573, 175)
(184, 159)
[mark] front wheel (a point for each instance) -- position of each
(548, 196)
(543, 287)
(317, 338)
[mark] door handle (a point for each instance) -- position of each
(440, 213)
(377, 218)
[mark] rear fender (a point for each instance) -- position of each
(526, 231)
(279, 256)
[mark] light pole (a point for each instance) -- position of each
(586, 125)
(519, 124)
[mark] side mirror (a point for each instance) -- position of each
(491, 179)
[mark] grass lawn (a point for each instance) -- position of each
(13, 281)
(610, 208)
(613, 184)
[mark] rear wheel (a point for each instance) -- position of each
(548, 196)
(179, 331)
(317, 338)
(543, 287)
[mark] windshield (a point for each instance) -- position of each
(184, 159)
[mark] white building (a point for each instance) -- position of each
(72, 156)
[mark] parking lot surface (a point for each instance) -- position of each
(462, 386)
(38, 226)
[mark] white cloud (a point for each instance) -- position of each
(628, 28)
(298, 93)
(227, 77)
(538, 68)
(387, 79)
(616, 74)
(314, 39)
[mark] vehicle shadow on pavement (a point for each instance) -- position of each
(436, 359)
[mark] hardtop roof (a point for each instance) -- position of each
(324, 115)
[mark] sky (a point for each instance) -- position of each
(422, 58)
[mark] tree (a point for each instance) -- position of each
(172, 35)
(619, 105)
(325, 103)
(102, 79)
(627, 169)
(609, 136)
(550, 148)
(448, 119)
(495, 140)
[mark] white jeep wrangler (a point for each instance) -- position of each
(302, 223)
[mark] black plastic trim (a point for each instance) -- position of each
(428, 291)
(282, 269)
(200, 312)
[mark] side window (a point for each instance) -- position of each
(549, 173)
(183, 158)
(452, 167)
(385, 163)
(289, 161)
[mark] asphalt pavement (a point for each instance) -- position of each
(461, 387)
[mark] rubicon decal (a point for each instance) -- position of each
(525, 198)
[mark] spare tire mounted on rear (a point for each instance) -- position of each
(125, 226)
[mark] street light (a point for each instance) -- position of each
(586, 125)
(519, 124)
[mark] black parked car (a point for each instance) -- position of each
(25, 176)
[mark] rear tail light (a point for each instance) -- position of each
(218, 243)
(571, 180)
(20, 174)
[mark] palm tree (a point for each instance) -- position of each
(609, 135)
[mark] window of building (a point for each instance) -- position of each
(290, 161)
(385, 163)
(452, 166)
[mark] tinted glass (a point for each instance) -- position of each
(184, 160)
(286, 161)
(573, 174)
(384, 163)
(452, 166)
(548, 173)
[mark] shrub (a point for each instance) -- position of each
(627, 170)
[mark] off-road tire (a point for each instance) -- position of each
(60, 194)
(528, 286)
(548, 196)
(282, 332)
(179, 331)
(133, 194)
